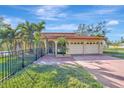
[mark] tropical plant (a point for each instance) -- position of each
(62, 45)
(36, 38)
(27, 31)
(7, 35)
(24, 35)
(37, 34)
(39, 26)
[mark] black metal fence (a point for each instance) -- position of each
(14, 61)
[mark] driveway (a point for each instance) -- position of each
(108, 70)
(52, 60)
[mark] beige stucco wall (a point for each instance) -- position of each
(81, 48)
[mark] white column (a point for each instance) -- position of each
(45, 45)
(98, 47)
(55, 47)
(83, 47)
(45, 42)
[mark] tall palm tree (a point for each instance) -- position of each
(38, 28)
(27, 31)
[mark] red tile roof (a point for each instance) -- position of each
(55, 35)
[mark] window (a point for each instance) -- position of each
(78, 43)
(71, 43)
(74, 42)
(82, 42)
(90, 42)
(87, 42)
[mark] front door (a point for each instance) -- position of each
(50, 50)
(51, 47)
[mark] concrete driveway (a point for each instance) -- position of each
(108, 70)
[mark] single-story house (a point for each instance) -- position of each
(76, 44)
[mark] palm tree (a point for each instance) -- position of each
(7, 37)
(27, 30)
(4, 39)
(38, 28)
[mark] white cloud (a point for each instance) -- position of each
(113, 22)
(14, 21)
(63, 27)
(7, 21)
(104, 11)
(98, 12)
(50, 12)
(83, 15)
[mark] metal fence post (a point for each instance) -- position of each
(2, 69)
(36, 53)
(5, 66)
(23, 65)
(11, 62)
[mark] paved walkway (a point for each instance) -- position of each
(108, 70)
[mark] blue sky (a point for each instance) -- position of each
(66, 18)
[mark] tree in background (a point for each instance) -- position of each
(7, 35)
(99, 29)
(23, 34)
(82, 30)
(62, 45)
(122, 39)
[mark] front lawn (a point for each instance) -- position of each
(52, 76)
(115, 52)
(12, 64)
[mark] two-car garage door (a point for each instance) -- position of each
(91, 49)
(83, 49)
(75, 49)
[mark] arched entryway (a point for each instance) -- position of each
(51, 47)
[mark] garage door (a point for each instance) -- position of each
(75, 49)
(91, 49)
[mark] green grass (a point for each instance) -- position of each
(9, 66)
(52, 76)
(115, 52)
